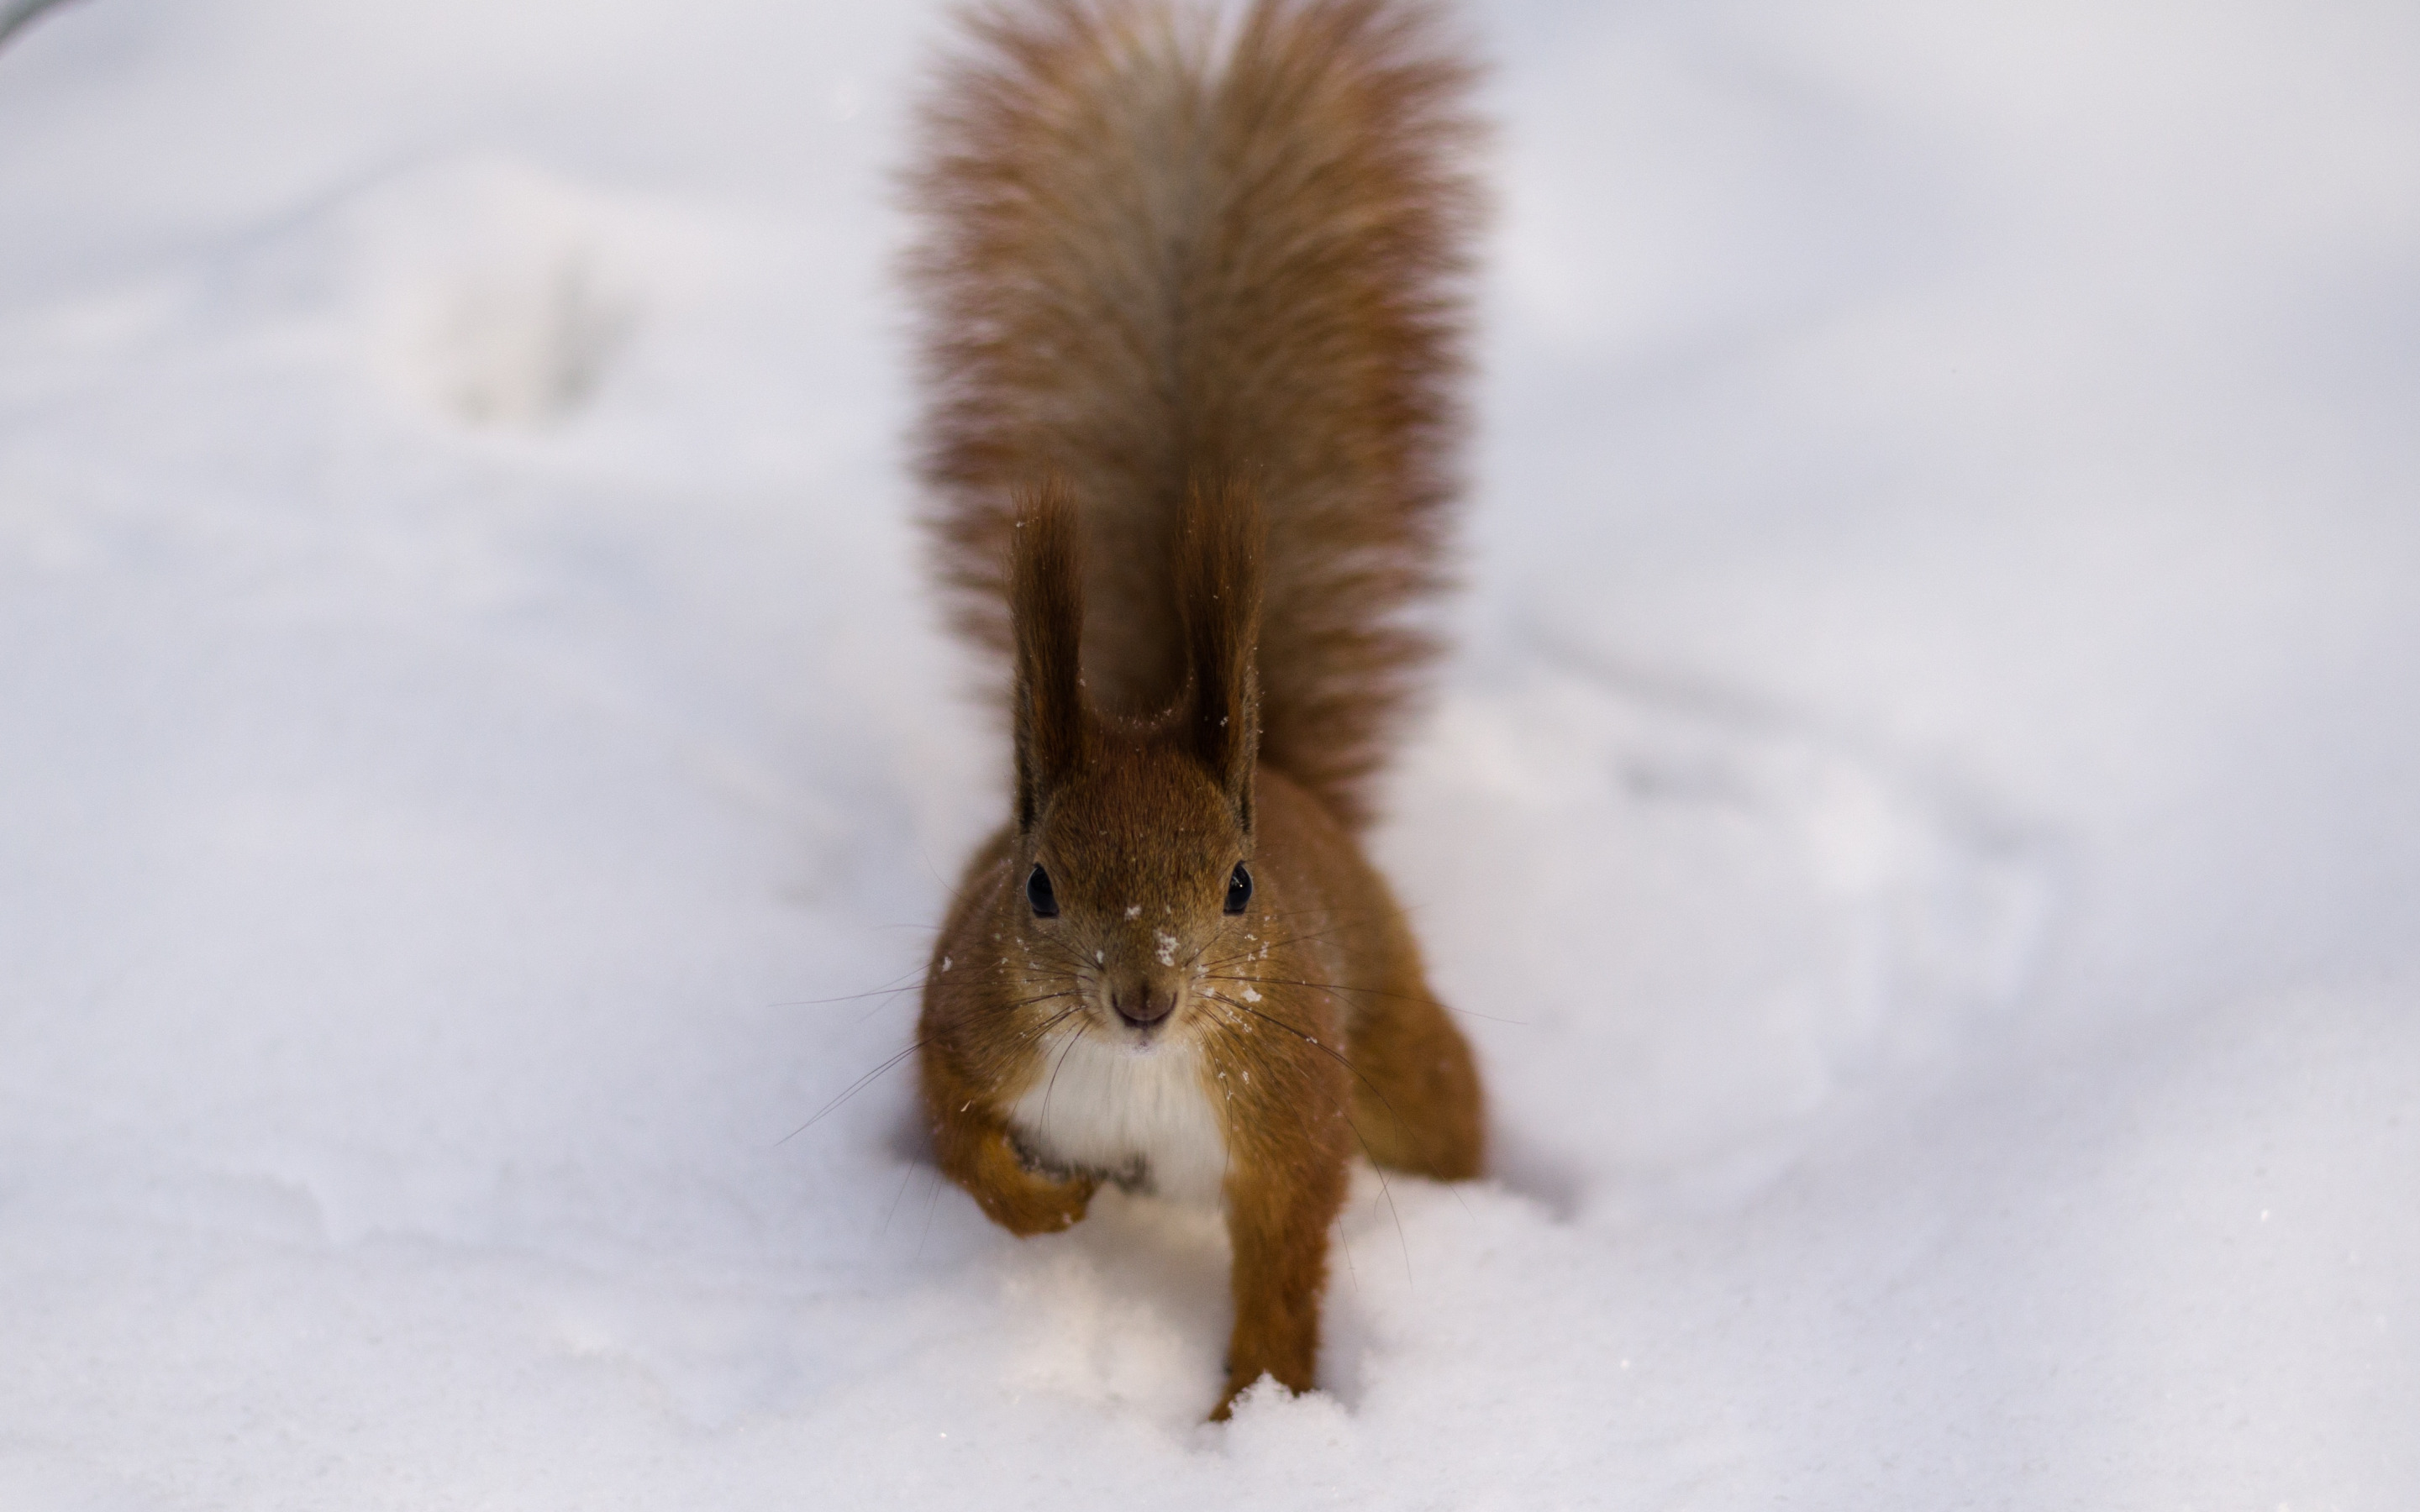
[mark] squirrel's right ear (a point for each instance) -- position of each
(1218, 585)
(1046, 604)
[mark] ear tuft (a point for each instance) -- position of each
(1047, 607)
(1219, 584)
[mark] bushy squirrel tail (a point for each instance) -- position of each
(1161, 252)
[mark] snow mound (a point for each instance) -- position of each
(495, 295)
(1700, 921)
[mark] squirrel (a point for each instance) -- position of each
(1191, 293)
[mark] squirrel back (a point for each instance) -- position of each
(1163, 257)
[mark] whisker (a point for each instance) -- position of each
(1060, 1065)
(898, 986)
(1263, 947)
(852, 1089)
(893, 1208)
(1374, 992)
(1053, 1022)
(860, 1085)
(1385, 1188)
(1329, 1051)
(932, 1201)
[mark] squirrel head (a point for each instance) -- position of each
(1132, 857)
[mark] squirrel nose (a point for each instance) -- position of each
(1141, 1004)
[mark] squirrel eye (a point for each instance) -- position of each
(1038, 893)
(1239, 889)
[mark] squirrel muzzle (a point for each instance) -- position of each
(1144, 1001)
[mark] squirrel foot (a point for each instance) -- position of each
(1236, 1386)
(1024, 1201)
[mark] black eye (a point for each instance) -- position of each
(1038, 893)
(1239, 889)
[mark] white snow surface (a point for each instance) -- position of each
(1924, 820)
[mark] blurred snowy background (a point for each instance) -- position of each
(1927, 803)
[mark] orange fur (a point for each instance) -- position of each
(1192, 329)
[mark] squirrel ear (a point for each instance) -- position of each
(1219, 584)
(1047, 606)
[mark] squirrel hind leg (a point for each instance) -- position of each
(1416, 1100)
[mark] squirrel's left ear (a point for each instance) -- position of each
(1219, 582)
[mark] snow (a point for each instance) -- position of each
(1923, 824)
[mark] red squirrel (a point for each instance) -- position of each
(1192, 312)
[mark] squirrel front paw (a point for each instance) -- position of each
(1038, 1204)
(1025, 1201)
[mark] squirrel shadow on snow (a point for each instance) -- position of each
(1192, 302)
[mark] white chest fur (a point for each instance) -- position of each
(1103, 1106)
